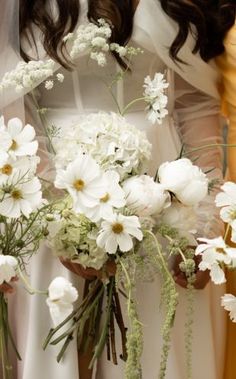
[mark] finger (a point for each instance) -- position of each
(181, 281)
(202, 279)
(6, 288)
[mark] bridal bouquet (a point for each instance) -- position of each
(111, 225)
(22, 216)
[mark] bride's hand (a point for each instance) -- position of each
(7, 287)
(89, 273)
(202, 277)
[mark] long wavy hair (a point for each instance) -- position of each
(207, 20)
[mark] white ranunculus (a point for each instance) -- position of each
(228, 301)
(185, 180)
(19, 197)
(145, 197)
(61, 296)
(117, 232)
(8, 265)
(214, 252)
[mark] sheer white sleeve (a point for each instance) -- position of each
(198, 119)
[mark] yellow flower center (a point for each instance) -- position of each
(117, 228)
(13, 145)
(233, 215)
(16, 194)
(79, 185)
(105, 198)
(6, 169)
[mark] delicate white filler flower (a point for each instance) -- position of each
(185, 180)
(84, 182)
(214, 252)
(228, 301)
(8, 266)
(49, 84)
(60, 77)
(156, 98)
(61, 296)
(117, 232)
(145, 197)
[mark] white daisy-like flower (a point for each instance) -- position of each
(19, 197)
(228, 301)
(84, 182)
(117, 231)
(227, 201)
(60, 77)
(24, 165)
(21, 138)
(214, 252)
(155, 97)
(8, 265)
(61, 296)
(113, 197)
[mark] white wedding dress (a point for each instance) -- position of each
(196, 114)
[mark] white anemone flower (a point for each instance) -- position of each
(21, 138)
(113, 197)
(61, 296)
(19, 197)
(227, 200)
(214, 253)
(8, 266)
(228, 301)
(117, 231)
(83, 180)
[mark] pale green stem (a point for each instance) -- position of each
(128, 106)
(29, 288)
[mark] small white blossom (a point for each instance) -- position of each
(185, 180)
(8, 265)
(117, 232)
(146, 197)
(49, 84)
(60, 77)
(228, 301)
(61, 296)
(155, 97)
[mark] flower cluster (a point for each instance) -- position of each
(94, 39)
(156, 98)
(114, 143)
(27, 75)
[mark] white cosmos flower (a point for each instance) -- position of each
(227, 200)
(83, 180)
(145, 197)
(112, 197)
(117, 232)
(214, 252)
(185, 180)
(61, 296)
(19, 197)
(20, 138)
(24, 165)
(8, 266)
(228, 301)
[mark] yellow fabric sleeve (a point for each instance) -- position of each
(227, 64)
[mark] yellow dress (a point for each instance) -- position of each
(227, 63)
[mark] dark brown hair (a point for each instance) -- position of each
(207, 20)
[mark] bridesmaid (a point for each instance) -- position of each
(227, 64)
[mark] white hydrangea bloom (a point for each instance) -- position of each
(8, 265)
(109, 139)
(156, 98)
(61, 296)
